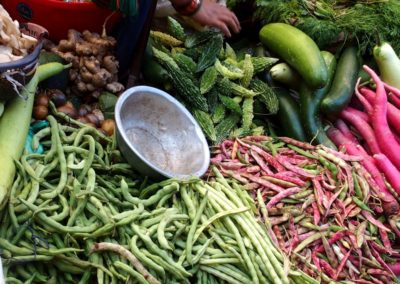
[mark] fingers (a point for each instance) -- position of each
(236, 20)
(226, 21)
(231, 21)
(224, 28)
(218, 16)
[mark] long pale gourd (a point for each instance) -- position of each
(14, 127)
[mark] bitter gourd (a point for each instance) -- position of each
(230, 104)
(229, 73)
(262, 63)
(210, 54)
(266, 95)
(166, 39)
(230, 61)
(258, 130)
(230, 52)
(212, 99)
(184, 62)
(219, 113)
(175, 50)
(236, 89)
(176, 29)
(224, 128)
(240, 132)
(208, 79)
(206, 123)
(199, 38)
(193, 53)
(182, 83)
(248, 71)
(248, 114)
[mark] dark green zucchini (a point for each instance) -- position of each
(343, 83)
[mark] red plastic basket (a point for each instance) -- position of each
(58, 16)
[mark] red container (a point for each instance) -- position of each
(58, 16)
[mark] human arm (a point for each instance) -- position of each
(210, 14)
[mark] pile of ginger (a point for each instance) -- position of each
(14, 44)
(94, 67)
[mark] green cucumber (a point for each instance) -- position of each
(310, 101)
(343, 83)
(298, 50)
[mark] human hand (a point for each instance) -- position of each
(216, 15)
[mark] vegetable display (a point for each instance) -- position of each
(90, 217)
(213, 82)
(302, 116)
(319, 206)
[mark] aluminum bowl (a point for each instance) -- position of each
(158, 136)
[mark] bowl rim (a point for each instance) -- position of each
(155, 91)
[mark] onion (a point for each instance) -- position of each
(69, 110)
(97, 112)
(93, 119)
(42, 100)
(84, 110)
(40, 112)
(108, 126)
(58, 98)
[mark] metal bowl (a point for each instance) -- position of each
(158, 136)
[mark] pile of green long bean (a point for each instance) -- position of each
(78, 214)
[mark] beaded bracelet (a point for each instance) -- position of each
(190, 8)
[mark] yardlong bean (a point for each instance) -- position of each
(88, 195)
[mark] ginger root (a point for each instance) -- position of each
(101, 78)
(94, 66)
(85, 75)
(111, 64)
